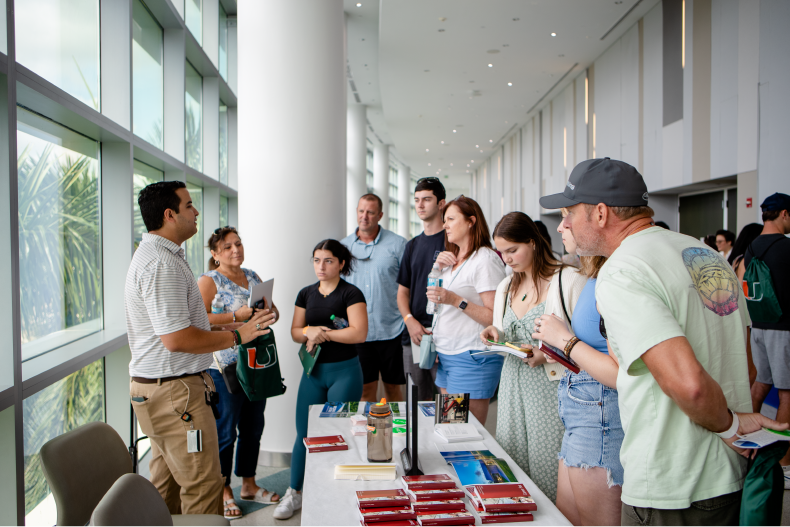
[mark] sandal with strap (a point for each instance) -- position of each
(230, 505)
(263, 496)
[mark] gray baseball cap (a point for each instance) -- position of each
(608, 181)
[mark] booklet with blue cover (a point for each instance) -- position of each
(483, 471)
(466, 455)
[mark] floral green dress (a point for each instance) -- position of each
(528, 423)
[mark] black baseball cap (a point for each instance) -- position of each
(608, 181)
(776, 201)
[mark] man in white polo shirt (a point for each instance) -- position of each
(171, 343)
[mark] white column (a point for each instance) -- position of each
(292, 161)
(356, 159)
(381, 180)
(404, 200)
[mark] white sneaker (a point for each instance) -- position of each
(292, 502)
(786, 472)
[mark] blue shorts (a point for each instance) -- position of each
(593, 432)
(476, 375)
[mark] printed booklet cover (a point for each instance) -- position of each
(436, 494)
(387, 514)
(504, 498)
(340, 409)
(427, 409)
(446, 518)
(483, 471)
(452, 408)
(504, 517)
(439, 505)
(466, 455)
(325, 443)
(428, 481)
(370, 499)
(390, 522)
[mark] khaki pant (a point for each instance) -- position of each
(189, 483)
(721, 510)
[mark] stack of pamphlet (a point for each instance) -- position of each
(367, 471)
(457, 433)
(325, 443)
(502, 503)
(390, 506)
(437, 500)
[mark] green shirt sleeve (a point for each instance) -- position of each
(636, 316)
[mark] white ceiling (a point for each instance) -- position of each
(392, 43)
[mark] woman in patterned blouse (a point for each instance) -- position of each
(233, 284)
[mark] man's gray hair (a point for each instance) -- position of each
(626, 213)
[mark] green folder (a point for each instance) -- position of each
(308, 358)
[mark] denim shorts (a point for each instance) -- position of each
(593, 432)
(477, 375)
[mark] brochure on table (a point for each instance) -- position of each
(333, 502)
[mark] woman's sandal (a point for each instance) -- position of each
(263, 496)
(230, 505)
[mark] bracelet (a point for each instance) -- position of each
(304, 330)
(569, 346)
(407, 317)
(234, 317)
(238, 336)
(733, 430)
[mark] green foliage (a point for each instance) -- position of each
(68, 404)
(59, 241)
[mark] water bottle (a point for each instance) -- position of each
(433, 281)
(339, 323)
(380, 433)
(217, 306)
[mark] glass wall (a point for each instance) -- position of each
(193, 133)
(69, 403)
(223, 42)
(144, 175)
(194, 245)
(223, 143)
(224, 213)
(193, 17)
(148, 76)
(59, 234)
(59, 40)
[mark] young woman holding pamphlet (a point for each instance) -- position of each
(321, 308)
(590, 478)
(471, 272)
(528, 424)
(225, 290)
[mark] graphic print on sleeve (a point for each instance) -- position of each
(713, 279)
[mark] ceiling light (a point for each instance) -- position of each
(490, 140)
(451, 164)
(554, 34)
(477, 146)
(427, 150)
(481, 150)
(510, 84)
(473, 160)
(467, 171)
(490, 65)
(467, 165)
(442, 142)
(429, 164)
(453, 131)
(359, 5)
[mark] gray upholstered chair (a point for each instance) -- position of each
(133, 500)
(82, 465)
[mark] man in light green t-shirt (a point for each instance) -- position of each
(677, 323)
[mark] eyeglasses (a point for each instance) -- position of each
(362, 252)
(216, 231)
(428, 179)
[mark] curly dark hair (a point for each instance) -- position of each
(340, 252)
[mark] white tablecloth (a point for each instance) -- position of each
(333, 502)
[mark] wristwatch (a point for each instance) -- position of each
(463, 304)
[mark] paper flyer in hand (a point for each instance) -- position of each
(761, 438)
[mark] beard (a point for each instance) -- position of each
(589, 244)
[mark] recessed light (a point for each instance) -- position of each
(473, 160)
(554, 34)
(442, 142)
(453, 131)
(451, 164)
(359, 5)
(429, 164)
(467, 171)
(467, 165)
(490, 140)
(481, 150)
(490, 65)
(427, 150)
(510, 84)
(477, 146)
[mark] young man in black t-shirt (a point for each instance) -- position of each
(418, 258)
(771, 341)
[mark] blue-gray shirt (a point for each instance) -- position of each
(376, 275)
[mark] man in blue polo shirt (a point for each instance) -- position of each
(378, 253)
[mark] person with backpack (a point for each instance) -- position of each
(766, 282)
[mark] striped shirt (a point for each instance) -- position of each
(162, 297)
(376, 275)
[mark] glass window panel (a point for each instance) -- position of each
(59, 235)
(224, 213)
(148, 76)
(194, 245)
(193, 17)
(223, 42)
(3, 28)
(194, 117)
(68, 404)
(63, 46)
(144, 175)
(223, 143)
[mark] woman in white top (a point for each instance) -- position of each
(471, 273)
(528, 423)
